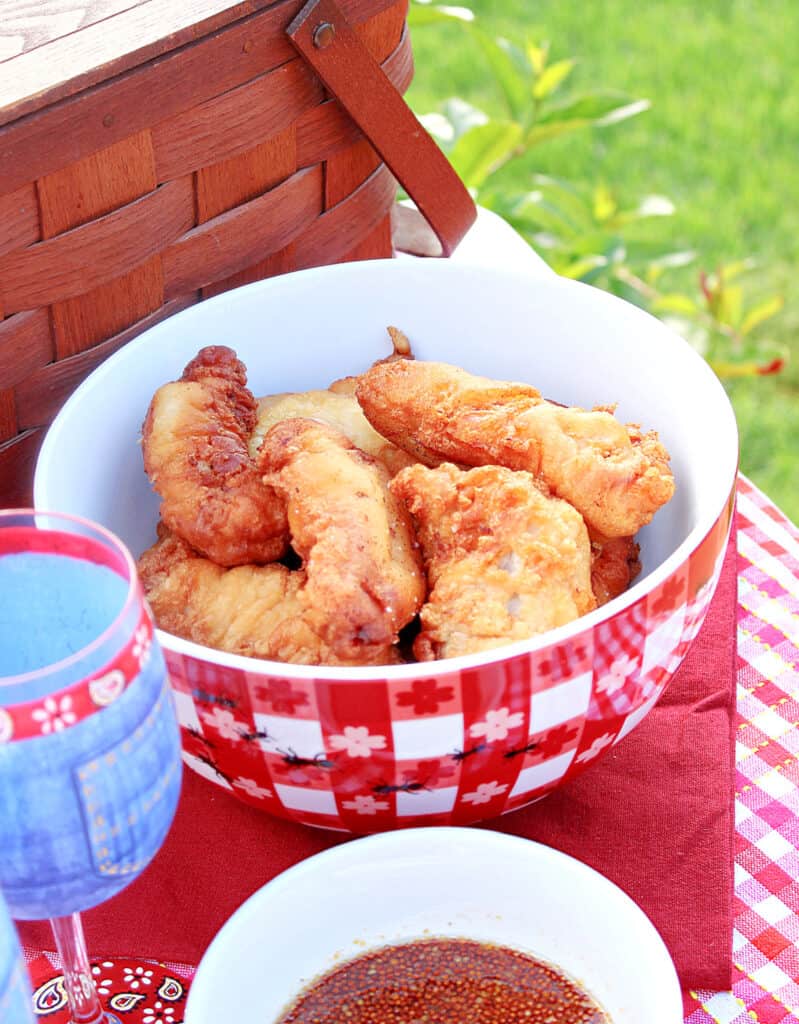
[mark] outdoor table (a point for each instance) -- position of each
(765, 953)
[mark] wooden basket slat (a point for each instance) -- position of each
(242, 236)
(281, 262)
(231, 123)
(17, 461)
(86, 257)
(381, 33)
(398, 66)
(65, 132)
(85, 320)
(25, 345)
(86, 191)
(43, 393)
(244, 177)
(19, 218)
(347, 171)
(373, 246)
(96, 185)
(343, 226)
(324, 131)
(9, 424)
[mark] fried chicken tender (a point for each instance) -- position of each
(337, 410)
(402, 350)
(614, 565)
(253, 610)
(195, 439)
(616, 476)
(504, 561)
(360, 555)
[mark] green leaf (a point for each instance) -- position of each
(534, 210)
(513, 83)
(604, 204)
(729, 271)
(549, 78)
(567, 198)
(762, 312)
(762, 364)
(544, 132)
(616, 251)
(582, 267)
(596, 241)
(623, 112)
(482, 149)
(420, 15)
(650, 206)
(674, 303)
(627, 290)
(730, 305)
(594, 107)
(537, 56)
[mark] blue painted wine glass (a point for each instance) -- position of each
(15, 990)
(90, 761)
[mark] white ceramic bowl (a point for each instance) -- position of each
(418, 883)
(561, 699)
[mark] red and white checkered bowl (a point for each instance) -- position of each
(455, 741)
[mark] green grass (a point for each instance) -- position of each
(721, 140)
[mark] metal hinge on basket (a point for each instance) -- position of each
(327, 41)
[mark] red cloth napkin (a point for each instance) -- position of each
(655, 816)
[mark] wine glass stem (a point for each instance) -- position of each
(84, 1003)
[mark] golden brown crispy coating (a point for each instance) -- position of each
(504, 561)
(195, 439)
(337, 410)
(401, 350)
(253, 610)
(414, 403)
(364, 575)
(615, 475)
(614, 565)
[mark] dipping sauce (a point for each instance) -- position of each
(445, 981)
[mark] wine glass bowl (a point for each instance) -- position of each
(90, 764)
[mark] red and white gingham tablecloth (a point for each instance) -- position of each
(766, 937)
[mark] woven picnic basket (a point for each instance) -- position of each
(260, 139)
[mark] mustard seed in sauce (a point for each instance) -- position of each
(445, 981)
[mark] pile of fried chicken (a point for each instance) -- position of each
(414, 512)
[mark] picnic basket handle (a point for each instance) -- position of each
(329, 44)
